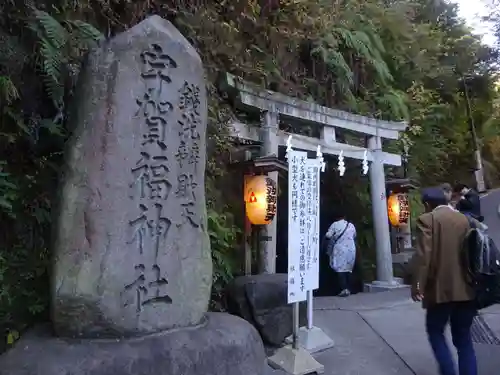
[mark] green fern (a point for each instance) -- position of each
(360, 42)
(366, 45)
(377, 42)
(85, 32)
(8, 191)
(8, 91)
(348, 38)
(395, 103)
(336, 62)
(60, 44)
(56, 34)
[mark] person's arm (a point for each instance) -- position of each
(423, 252)
(473, 197)
(465, 205)
(331, 231)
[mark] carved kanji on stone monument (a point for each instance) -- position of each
(132, 253)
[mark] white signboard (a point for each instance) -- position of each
(297, 237)
(312, 223)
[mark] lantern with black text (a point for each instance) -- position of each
(260, 199)
(398, 209)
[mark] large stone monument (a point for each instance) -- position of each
(132, 252)
(132, 262)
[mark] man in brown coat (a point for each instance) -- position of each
(439, 282)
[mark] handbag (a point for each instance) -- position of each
(331, 245)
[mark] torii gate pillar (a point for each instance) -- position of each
(270, 142)
(380, 217)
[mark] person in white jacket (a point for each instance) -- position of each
(341, 248)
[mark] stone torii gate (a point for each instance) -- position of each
(273, 107)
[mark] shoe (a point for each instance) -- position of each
(345, 293)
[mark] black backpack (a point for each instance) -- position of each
(481, 262)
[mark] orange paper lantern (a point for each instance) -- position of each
(260, 199)
(398, 209)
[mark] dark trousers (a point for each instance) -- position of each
(344, 280)
(460, 316)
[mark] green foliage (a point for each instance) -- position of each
(365, 241)
(417, 208)
(34, 87)
(223, 235)
(7, 192)
(60, 46)
(8, 91)
(221, 224)
(361, 43)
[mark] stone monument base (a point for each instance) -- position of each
(224, 344)
(382, 286)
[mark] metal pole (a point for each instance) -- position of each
(479, 172)
(310, 309)
(296, 324)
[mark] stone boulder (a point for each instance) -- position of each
(262, 301)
